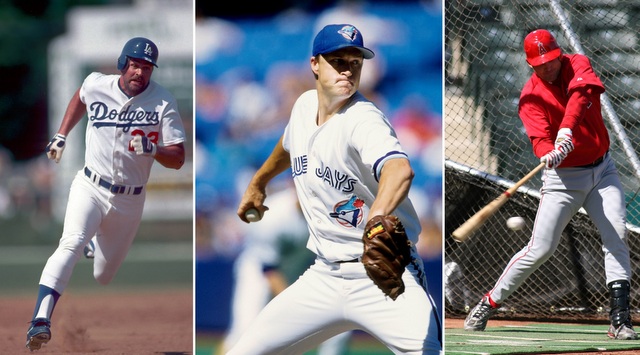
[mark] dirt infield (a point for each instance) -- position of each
(459, 323)
(109, 322)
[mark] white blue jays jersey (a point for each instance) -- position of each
(114, 119)
(336, 168)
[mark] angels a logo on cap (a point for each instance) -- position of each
(541, 49)
(348, 32)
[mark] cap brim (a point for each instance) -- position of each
(366, 52)
(549, 56)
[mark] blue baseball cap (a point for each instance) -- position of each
(334, 37)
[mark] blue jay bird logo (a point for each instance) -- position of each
(348, 32)
(348, 213)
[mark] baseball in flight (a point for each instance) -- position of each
(515, 223)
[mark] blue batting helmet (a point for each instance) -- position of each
(140, 48)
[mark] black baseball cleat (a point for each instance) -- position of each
(38, 334)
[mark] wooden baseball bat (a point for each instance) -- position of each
(463, 232)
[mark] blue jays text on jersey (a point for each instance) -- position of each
(339, 181)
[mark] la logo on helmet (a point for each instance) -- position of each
(148, 50)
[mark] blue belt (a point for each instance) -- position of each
(116, 189)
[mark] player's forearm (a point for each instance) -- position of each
(576, 107)
(172, 156)
(277, 162)
(395, 182)
(255, 194)
(74, 113)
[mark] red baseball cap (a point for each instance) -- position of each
(540, 47)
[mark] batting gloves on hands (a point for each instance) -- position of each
(553, 159)
(143, 146)
(55, 147)
(564, 141)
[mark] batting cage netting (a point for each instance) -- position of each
(487, 150)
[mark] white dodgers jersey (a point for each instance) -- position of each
(114, 119)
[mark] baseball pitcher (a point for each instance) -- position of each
(351, 175)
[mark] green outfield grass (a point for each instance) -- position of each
(535, 339)
(161, 256)
(27, 230)
(147, 265)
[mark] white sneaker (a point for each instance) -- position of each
(479, 316)
(623, 332)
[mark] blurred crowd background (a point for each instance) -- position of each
(253, 63)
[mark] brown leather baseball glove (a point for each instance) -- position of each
(387, 251)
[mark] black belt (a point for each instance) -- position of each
(347, 261)
(595, 162)
(116, 189)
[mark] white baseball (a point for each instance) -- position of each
(252, 215)
(515, 223)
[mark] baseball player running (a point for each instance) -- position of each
(347, 166)
(560, 110)
(132, 122)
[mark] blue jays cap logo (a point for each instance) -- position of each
(349, 32)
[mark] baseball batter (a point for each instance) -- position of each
(347, 166)
(560, 110)
(132, 122)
